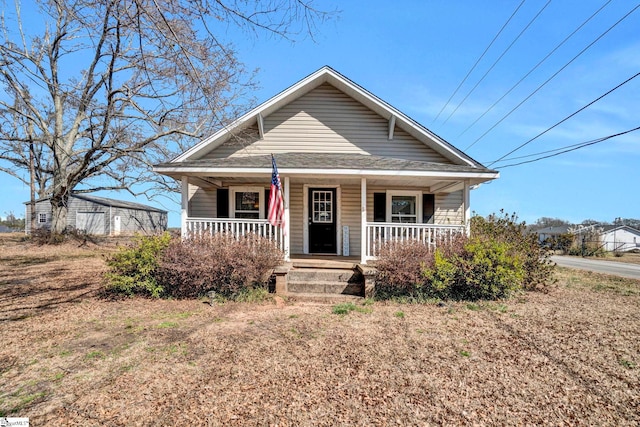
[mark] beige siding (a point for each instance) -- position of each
(350, 215)
(449, 208)
(327, 121)
(202, 204)
(296, 218)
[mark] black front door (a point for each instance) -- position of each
(322, 220)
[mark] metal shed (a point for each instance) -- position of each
(101, 216)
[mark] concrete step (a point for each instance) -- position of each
(323, 263)
(326, 298)
(325, 287)
(323, 275)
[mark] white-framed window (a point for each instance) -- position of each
(404, 206)
(247, 202)
(42, 218)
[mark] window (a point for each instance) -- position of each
(322, 206)
(247, 202)
(42, 218)
(403, 206)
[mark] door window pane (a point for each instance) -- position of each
(322, 206)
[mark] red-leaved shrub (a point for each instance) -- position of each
(188, 268)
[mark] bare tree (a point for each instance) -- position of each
(104, 88)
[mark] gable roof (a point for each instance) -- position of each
(328, 75)
(110, 203)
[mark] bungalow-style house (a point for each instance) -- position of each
(355, 172)
(101, 216)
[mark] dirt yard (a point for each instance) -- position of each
(71, 357)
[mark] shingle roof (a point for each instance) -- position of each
(111, 202)
(325, 161)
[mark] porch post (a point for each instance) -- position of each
(184, 213)
(363, 220)
(287, 236)
(467, 207)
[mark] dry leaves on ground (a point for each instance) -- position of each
(71, 357)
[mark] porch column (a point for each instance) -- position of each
(467, 207)
(363, 220)
(184, 203)
(287, 227)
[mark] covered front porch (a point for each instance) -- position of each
(341, 205)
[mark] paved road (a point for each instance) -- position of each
(608, 267)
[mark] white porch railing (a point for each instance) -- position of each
(378, 233)
(236, 227)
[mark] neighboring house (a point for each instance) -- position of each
(551, 233)
(5, 229)
(355, 172)
(619, 238)
(102, 216)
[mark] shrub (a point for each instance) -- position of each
(132, 268)
(230, 267)
(536, 263)
(499, 258)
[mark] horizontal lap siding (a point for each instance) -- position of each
(296, 218)
(202, 203)
(350, 216)
(449, 208)
(327, 121)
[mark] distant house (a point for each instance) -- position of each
(5, 229)
(551, 233)
(101, 216)
(610, 238)
(619, 238)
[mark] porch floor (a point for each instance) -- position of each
(323, 261)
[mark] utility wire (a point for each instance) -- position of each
(498, 60)
(478, 60)
(555, 74)
(567, 149)
(532, 70)
(566, 118)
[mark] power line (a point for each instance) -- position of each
(567, 149)
(567, 118)
(532, 70)
(555, 74)
(478, 60)
(498, 60)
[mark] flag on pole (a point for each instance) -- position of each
(276, 203)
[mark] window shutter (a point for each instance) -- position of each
(223, 202)
(379, 207)
(428, 208)
(266, 202)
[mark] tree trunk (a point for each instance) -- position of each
(59, 210)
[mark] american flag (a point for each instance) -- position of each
(276, 204)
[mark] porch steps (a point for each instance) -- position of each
(325, 281)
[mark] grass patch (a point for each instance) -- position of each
(627, 364)
(347, 307)
(167, 325)
(96, 354)
(399, 314)
(464, 353)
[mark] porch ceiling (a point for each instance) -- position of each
(327, 167)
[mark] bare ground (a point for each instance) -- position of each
(72, 357)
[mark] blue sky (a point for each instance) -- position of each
(414, 54)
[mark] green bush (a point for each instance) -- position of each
(499, 258)
(132, 268)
